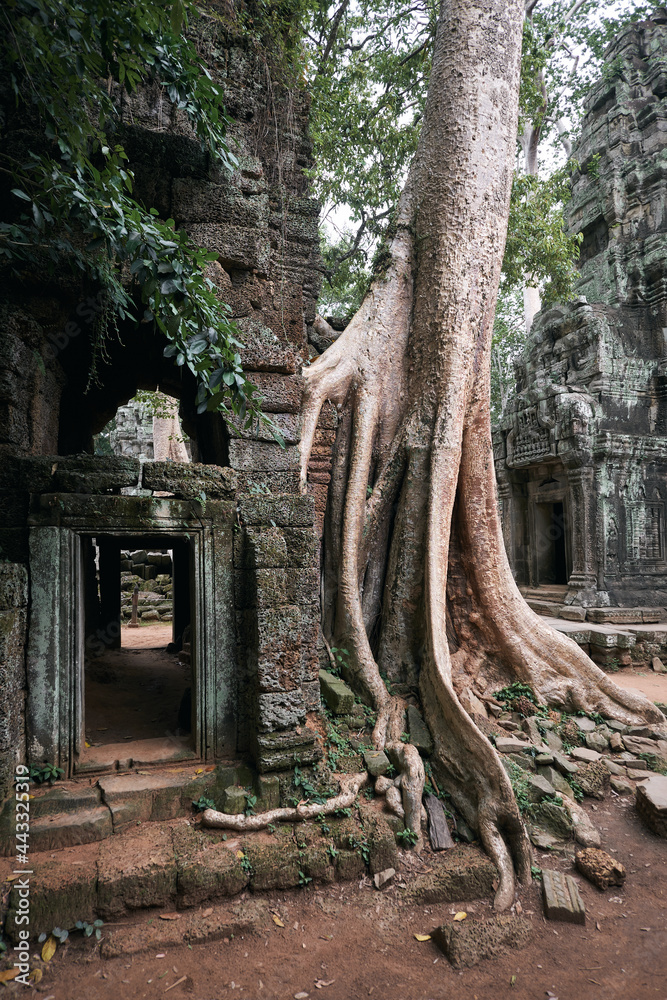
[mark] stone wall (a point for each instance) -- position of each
(581, 451)
(263, 225)
(261, 222)
(13, 622)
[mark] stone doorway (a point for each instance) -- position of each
(65, 531)
(550, 543)
(138, 670)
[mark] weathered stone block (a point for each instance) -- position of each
(420, 736)
(561, 898)
(189, 481)
(261, 549)
(280, 751)
(234, 800)
(468, 942)
(335, 693)
(283, 511)
(205, 870)
(311, 695)
(377, 762)
(280, 394)
(266, 456)
(462, 873)
(651, 802)
(280, 710)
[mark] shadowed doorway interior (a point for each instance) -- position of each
(138, 663)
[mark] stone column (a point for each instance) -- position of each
(581, 493)
(506, 518)
(110, 592)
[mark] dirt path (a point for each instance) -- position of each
(361, 942)
(654, 686)
(146, 636)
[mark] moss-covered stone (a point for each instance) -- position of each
(276, 865)
(206, 868)
(462, 873)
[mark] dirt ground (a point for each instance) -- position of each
(135, 692)
(360, 943)
(654, 686)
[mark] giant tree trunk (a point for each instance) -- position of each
(420, 564)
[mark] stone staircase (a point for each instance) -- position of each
(87, 810)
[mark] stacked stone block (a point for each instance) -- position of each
(276, 558)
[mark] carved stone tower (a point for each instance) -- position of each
(581, 451)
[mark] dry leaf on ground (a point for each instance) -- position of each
(49, 949)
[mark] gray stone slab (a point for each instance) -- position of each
(377, 762)
(539, 788)
(420, 736)
(585, 755)
(561, 898)
(584, 723)
(336, 694)
(511, 744)
(651, 801)
(564, 765)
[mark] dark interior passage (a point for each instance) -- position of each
(550, 543)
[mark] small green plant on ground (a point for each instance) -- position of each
(360, 845)
(61, 934)
(340, 657)
(340, 813)
(598, 719)
(250, 803)
(517, 694)
(90, 929)
(41, 773)
(246, 865)
(325, 829)
(408, 837)
(203, 803)
(536, 872)
(653, 762)
(304, 879)
(332, 852)
(577, 790)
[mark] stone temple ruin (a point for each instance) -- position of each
(244, 542)
(224, 551)
(581, 451)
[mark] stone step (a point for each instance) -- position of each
(73, 813)
(546, 608)
(176, 866)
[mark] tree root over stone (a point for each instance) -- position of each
(350, 786)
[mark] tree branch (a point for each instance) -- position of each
(338, 16)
